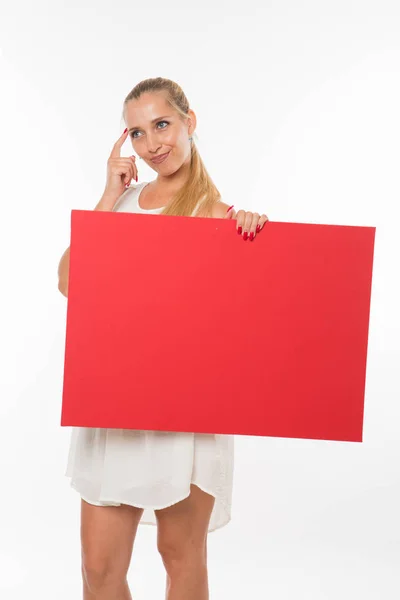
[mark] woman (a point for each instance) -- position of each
(181, 482)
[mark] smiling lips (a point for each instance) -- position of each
(160, 158)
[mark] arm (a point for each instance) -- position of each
(106, 203)
(219, 210)
(63, 271)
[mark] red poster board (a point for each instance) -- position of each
(177, 324)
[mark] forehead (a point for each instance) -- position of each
(146, 108)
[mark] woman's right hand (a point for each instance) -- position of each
(120, 170)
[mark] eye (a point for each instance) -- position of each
(163, 122)
(158, 123)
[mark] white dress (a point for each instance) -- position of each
(150, 469)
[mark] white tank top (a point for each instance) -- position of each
(129, 201)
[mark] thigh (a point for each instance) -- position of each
(107, 537)
(182, 528)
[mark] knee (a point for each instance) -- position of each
(169, 551)
(98, 577)
(181, 554)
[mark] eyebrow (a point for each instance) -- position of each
(153, 121)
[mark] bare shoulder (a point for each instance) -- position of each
(219, 210)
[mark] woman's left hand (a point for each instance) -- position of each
(248, 224)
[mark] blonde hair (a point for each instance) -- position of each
(199, 188)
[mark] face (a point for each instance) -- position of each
(155, 128)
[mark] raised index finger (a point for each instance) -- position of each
(116, 151)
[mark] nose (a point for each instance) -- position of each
(152, 144)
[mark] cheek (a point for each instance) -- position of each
(134, 143)
(176, 140)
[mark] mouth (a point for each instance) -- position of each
(160, 158)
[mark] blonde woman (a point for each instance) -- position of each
(180, 482)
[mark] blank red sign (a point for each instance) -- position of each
(178, 324)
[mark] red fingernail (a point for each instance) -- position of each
(258, 229)
(126, 130)
(251, 236)
(245, 235)
(239, 230)
(230, 208)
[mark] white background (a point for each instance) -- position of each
(298, 116)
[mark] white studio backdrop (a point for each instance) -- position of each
(297, 106)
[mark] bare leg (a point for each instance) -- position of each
(114, 593)
(182, 543)
(107, 536)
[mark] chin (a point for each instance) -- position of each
(166, 171)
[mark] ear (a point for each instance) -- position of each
(192, 122)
